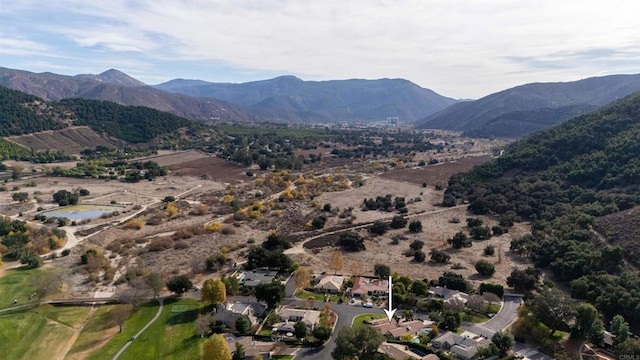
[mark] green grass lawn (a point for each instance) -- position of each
(304, 294)
(95, 331)
(172, 336)
(282, 357)
(37, 333)
(359, 320)
(16, 285)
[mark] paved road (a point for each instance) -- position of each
(161, 301)
(346, 313)
(506, 316)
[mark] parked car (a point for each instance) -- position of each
(367, 305)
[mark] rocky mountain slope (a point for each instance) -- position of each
(288, 98)
(113, 85)
(527, 108)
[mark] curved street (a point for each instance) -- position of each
(506, 316)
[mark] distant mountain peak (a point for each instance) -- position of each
(115, 77)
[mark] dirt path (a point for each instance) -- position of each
(72, 340)
(161, 301)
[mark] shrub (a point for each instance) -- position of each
(439, 256)
(227, 230)
(172, 209)
(415, 226)
(499, 230)
(489, 250)
(398, 222)
(483, 267)
(134, 224)
(155, 220)
(492, 288)
(65, 252)
(454, 220)
(416, 245)
(419, 256)
(379, 228)
(318, 222)
(160, 244)
(182, 233)
(213, 227)
(473, 222)
(200, 209)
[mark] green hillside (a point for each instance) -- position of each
(135, 124)
(21, 113)
(563, 180)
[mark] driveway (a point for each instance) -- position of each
(506, 316)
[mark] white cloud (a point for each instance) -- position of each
(458, 48)
(19, 46)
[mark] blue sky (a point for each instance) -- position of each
(462, 49)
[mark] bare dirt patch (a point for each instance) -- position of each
(71, 140)
(211, 168)
(437, 174)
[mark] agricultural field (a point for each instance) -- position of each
(70, 140)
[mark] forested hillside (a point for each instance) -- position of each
(21, 114)
(135, 124)
(563, 180)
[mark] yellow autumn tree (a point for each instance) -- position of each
(216, 348)
(213, 291)
(302, 276)
(336, 262)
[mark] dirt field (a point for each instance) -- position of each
(71, 140)
(437, 228)
(198, 164)
(437, 174)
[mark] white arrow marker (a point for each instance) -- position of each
(390, 311)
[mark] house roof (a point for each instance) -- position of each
(398, 329)
(364, 285)
(251, 347)
(257, 277)
(245, 308)
(466, 352)
(309, 317)
(401, 352)
(330, 282)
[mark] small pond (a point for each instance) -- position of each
(81, 212)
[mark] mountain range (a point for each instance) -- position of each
(113, 85)
(511, 113)
(283, 99)
(528, 108)
(290, 98)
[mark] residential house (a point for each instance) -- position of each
(230, 313)
(403, 352)
(290, 316)
(330, 284)
(251, 348)
(465, 346)
(398, 329)
(363, 286)
(452, 298)
(256, 277)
